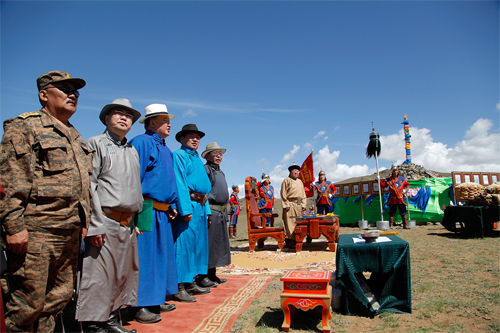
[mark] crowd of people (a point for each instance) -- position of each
(120, 223)
(113, 222)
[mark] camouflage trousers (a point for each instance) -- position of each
(41, 281)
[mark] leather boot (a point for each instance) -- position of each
(213, 277)
(194, 289)
(93, 327)
(391, 221)
(183, 296)
(144, 316)
(234, 232)
(231, 232)
(113, 326)
(405, 224)
(205, 282)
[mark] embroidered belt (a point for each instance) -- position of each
(125, 218)
(219, 208)
(198, 197)
(159, 205)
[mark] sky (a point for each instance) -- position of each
(273, 81)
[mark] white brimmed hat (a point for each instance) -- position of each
(154, 110)
(211, 147)
(119, 103)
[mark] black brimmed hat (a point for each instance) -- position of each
(186, 129)
(293, 167)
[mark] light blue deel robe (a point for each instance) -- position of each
(191, 238)
(157, 266)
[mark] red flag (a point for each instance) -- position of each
(307, 175)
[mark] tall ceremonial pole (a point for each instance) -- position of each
(406, 126)
(373, 149)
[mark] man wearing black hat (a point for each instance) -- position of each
(190, 228)
(293, 200)
(45, 169)
(110, 265)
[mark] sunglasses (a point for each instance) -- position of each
(67, 90)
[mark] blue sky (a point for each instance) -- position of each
(270, 81)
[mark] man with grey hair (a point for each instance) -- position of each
(219, 254)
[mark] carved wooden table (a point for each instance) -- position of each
(314, 227)
(306, 290)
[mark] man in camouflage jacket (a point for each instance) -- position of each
(45, 169)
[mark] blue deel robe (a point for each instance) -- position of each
(157, 265)
(191, 238)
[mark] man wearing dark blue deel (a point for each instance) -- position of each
(157, 265)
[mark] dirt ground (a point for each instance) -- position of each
(455, 288)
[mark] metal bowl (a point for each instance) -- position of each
(370, 236)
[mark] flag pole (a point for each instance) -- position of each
(379, 190)
(373, 149)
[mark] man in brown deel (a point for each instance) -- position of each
(45, 169)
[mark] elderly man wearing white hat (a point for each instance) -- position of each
(110, 271)
(219, 254)
(157, 265)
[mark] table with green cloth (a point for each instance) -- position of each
(390, 279)
(474, 219)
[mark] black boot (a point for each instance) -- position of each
(205, 282)
(144, 316)
(193, 289)
(213, 277)
(167, 307)
(113, 326)
(93, 327)
(183, 296)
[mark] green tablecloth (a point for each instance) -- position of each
(475, 219)
(390, 280)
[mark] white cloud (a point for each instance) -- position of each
(189, 113)
(263, 161)
(325, 138)
(498, 106)
(478, 151)
(320, 133)
(288, 156)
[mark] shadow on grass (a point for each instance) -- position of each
(306, 321)
(463, 235)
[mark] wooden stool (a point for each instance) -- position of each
(306, 290)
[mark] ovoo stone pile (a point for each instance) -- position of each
(414, 171)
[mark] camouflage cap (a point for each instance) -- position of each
(58, 76)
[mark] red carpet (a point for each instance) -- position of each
(213, 312)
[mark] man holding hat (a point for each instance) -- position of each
(218, 240)
(266, 194)
(45, 169)
(157, 266)
(325, 190)
(191, 226)
(293, 200)
(110, 268)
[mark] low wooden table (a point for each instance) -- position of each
(314, 227)
(306, 290)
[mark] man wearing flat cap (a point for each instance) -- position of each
(45, 169)
(293, 200)
(218, 239)
(191, 226)
(110, 269)
(157, 266)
